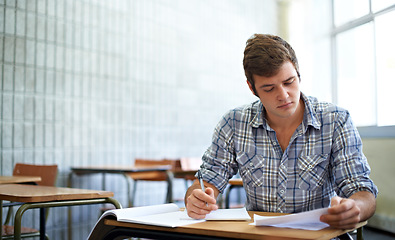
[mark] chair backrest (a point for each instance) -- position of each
(47, 173)
(190, 163)
(152, 176)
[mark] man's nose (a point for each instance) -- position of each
(282, 93)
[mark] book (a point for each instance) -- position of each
(165, 215)
(309, 220)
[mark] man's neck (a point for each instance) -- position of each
(292, 122)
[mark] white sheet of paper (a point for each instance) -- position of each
(305, 220)
(232, 214)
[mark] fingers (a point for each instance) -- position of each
(343, 213)
(200, 203)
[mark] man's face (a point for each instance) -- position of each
(279, 94)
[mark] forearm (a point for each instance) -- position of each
(366, 202)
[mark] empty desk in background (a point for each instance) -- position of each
(34, 196)
(14, 179)
(123, 170)
(19, 179)
(215, 230)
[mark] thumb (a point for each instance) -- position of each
(335, 201)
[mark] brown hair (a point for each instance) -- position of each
(265, 54)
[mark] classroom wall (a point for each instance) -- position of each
(380, 153)
(103, 82)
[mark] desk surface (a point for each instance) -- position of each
(118, 169)
(237, 230)
(19, 179)
(35, 193)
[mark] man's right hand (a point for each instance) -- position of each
(199, 203)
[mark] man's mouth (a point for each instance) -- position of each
(285, 105)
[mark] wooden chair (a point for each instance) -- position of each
(186, 168)
(48, 175)
(153, 176)
(233, 183)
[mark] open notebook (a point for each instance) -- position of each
(167, 215)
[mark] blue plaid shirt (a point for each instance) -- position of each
(323, 159)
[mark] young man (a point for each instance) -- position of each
(293, 153)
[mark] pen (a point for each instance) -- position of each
(201, 182)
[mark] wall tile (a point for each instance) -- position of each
(9, 49)
(18, 136)
(8, 77)
(9, 20)
(20, 50)
(30, 52)
(8, 103)
(30, 80)
(7, 135)
(28, 110)
(18, 107)
(19, 83)
(28, 136)
(38, 137)
(31, 24)
(39, 80)
(40, 54)
(39, 108)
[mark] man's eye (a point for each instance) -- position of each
(268, 90)
(289, 82)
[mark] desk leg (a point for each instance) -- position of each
(360, 233)
(18, 221)
(170, 180)
(69, 213)
(21, 210)
(129, 198)
(42, 223)
(1, 218)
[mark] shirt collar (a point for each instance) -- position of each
(309, 118)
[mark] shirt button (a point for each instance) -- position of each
(251, 164)
(282, 191)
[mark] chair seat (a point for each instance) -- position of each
(9, 230)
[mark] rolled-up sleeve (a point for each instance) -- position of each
(350, 166)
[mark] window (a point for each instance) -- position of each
(348, 10)
(385, 60)
(364, 59)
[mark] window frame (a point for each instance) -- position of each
(365, 131)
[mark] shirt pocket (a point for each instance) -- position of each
(313, 171)
(252, 169)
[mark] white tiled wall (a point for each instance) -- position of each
(103, 82)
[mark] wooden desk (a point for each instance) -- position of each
(123, 170)
(217, 230)
(14, 179)
(19, 179)
(34, 196)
